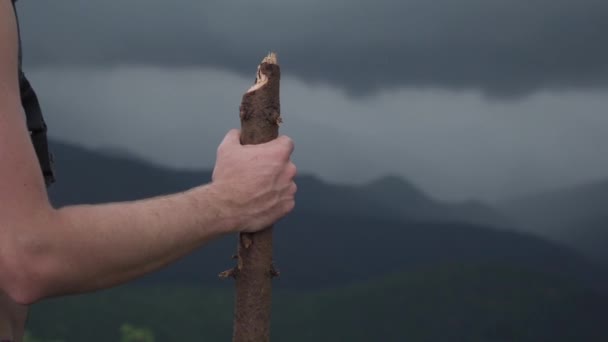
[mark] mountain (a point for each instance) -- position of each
(338, 234)
(87, 176)
(403, 197)
(455, 303)
(576, 216)
(101, 176)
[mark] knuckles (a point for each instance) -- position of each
(294, 188)
(286, 144)
(289, 206)
(292, 170)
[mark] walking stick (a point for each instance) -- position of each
(260, 118)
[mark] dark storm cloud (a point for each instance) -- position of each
(502, 47)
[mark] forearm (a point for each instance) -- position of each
(88, 247)
(47, 252)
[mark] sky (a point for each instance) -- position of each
(475, 99)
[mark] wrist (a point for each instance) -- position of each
(212, 202)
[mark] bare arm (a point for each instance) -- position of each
(47, 252)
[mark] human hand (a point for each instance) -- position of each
(254, 183)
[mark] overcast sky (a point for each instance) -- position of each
(468, 99)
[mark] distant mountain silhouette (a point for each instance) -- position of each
(411, 203)
(87, 176)
(100, 176)
(337, 235)
(576, 216)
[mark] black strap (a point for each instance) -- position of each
(37, 128)
(35, 123)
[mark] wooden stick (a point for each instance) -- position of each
(260, 118)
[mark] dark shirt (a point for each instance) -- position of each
(35, 121)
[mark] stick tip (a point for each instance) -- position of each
(261, 78)
(271, 58)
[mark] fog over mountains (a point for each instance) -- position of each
(346, 233)
(576, 216)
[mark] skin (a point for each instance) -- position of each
(47, 252)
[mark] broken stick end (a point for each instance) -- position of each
(271, 58)
(261, 78)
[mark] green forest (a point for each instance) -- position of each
(450, 303)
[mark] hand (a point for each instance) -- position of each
(255, 183)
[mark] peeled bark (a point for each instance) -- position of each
(260, 118)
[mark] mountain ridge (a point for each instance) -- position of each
(576, 216)
(388, 191)
(338, 234)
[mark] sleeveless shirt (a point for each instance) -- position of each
(35, 122)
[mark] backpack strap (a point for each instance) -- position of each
(37, 128)
(35, 123)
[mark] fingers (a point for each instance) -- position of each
(284, 147)
(280, 148)
(283, 143)
(291, 171)
(288, 206)
(288, 146)
(293, 188)
(287, 143)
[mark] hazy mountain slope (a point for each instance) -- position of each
(317, 251)
(93, 176)
(456, 303)
(336, 236)
(86, 176)
(561, 206)
(576, 216)
(403, 197)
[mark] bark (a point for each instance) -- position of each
(260, 119)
